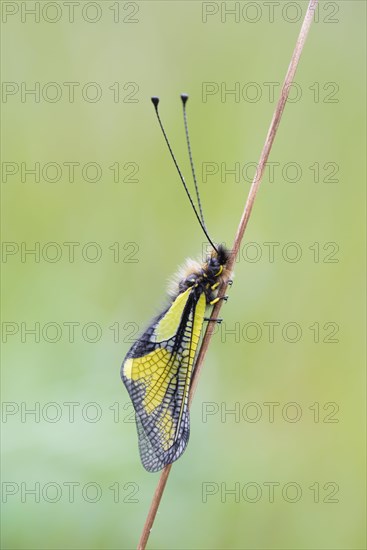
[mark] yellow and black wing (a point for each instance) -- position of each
(157, 373)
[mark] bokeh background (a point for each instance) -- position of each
(286, 468)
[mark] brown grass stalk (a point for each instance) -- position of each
(236, 245)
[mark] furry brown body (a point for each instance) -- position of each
(203, 278)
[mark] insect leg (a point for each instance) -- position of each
(224, 298)
(210, 320)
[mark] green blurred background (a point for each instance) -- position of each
(90, 488)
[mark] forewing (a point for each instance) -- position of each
(157, 372)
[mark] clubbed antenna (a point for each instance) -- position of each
(184, 98)
(155, 101)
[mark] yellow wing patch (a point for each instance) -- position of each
(157, 373)
(167, 326)
(150, 369)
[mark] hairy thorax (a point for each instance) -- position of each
(202, 277)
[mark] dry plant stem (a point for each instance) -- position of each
(256, 182)
(154, 506)
(237, 242)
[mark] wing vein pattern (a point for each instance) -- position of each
(157, 373)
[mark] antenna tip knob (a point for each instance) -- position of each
(155, 101)
(184, 98)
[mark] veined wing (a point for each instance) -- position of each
(157, 373)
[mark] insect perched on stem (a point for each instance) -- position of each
(158, 368)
